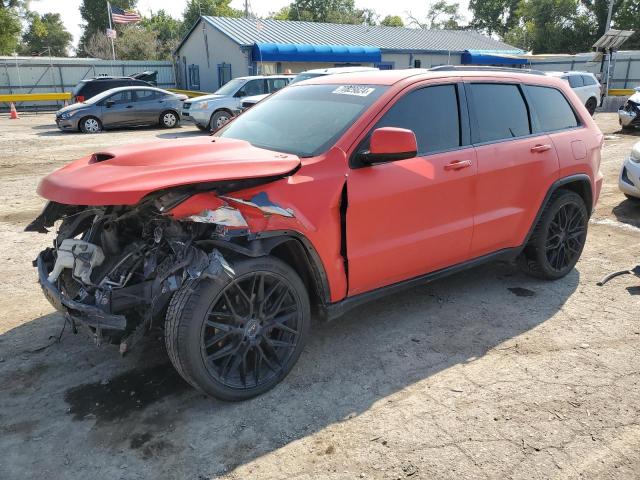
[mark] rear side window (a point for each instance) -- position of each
(145, 95)
(431, 113)
(588, 80)
(500, 112)
(576, 81)
(550, 109)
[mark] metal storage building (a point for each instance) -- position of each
(217, 49)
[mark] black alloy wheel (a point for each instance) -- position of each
(565, 237)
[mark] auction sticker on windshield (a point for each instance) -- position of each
(357, 90)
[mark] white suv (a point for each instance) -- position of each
(585, 85)
(210, 112)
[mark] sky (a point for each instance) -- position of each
(69, 9)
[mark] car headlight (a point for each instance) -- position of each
(203, 105)
(67, 115)
(635, 153)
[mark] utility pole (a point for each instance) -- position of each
(608, 25)
(247, 9)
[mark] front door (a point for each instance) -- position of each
(118, 109)
(410, 217)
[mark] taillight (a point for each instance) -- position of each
(79, 99)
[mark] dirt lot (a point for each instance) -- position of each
(486, 374)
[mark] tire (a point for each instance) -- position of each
(591, 105)
(203, 129)
(220, 340)
(218, 119)
(169, 119)
(90, 125)
(632, 198)
(558, 238)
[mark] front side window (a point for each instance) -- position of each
(252, 87)
(500, 112)
(550, 109)
(121, 97)
(304, 120)
(431, 113)
(231, 87)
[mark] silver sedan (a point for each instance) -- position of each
(122, 107)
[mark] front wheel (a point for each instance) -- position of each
(90, 125)
(591, 105)
(237, 338)
(558, 238)
(218, 120)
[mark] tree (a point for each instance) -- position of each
(46, 31)
(555, 26)
(627, 18)
(494, 16)
(9, 30)
(167, 30)
(329, 11)
(213, 8)
(96, 17)
(137, 43)
(392, 21)
(441, 15)
(282, 14)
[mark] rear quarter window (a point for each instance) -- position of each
(551, 111)
(500, 112)
(575, 81)
(588, 80)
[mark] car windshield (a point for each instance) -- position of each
(231, 87)
(305, 76)
(304, 120)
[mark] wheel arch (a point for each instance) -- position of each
(166, 110)
(295, 250)
(82, 119)
(579, 183)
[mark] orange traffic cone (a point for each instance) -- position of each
(13, 114)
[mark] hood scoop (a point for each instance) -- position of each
(100, 157)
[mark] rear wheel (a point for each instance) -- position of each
(169, 119)
(90, 125)
(237, 338)
(591, 105)
(558, 238)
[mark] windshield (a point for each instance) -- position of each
(305, 120)
(305, 76)
(231, 87)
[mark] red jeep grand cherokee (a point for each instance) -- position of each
(330, 193)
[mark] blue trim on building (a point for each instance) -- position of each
(301, 52)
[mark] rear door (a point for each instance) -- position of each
(275, 84)
(147, 106)
(515, 165)
(121, 111)
(410, 217)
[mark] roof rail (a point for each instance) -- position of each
(468, 68)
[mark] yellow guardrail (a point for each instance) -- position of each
(34, 97)
(621, 92)
(188, 93)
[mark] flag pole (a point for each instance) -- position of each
(113, 48)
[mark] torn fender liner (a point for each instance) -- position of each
(261, 202)
(225, 216)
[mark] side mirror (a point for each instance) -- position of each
(109, 103)
(388, 144)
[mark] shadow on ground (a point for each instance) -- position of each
(86, 406)
(628, 211)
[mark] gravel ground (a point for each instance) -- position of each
(485, 374)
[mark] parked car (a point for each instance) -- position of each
(331, 193)
(90, 87)
(210, 112)
(629, 180)
(123, 106)
(629, 113)
(585, 85)
(248, 102)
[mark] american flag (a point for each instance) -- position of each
(119, 15)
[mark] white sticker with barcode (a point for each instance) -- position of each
(357, 90)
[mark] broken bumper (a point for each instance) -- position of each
(629, 179)
(628, 118)
(89, 315)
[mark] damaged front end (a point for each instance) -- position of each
(115, 268)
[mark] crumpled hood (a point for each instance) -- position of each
(635, 98)
(124, 175)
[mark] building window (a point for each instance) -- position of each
(385, 65)
(194, 77)
(224, 73)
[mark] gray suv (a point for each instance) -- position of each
(121, 107)
(210, 112)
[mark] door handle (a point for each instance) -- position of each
(458, 165)
(129, 106)
(540, 148)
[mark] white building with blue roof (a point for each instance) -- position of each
(217, 49)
